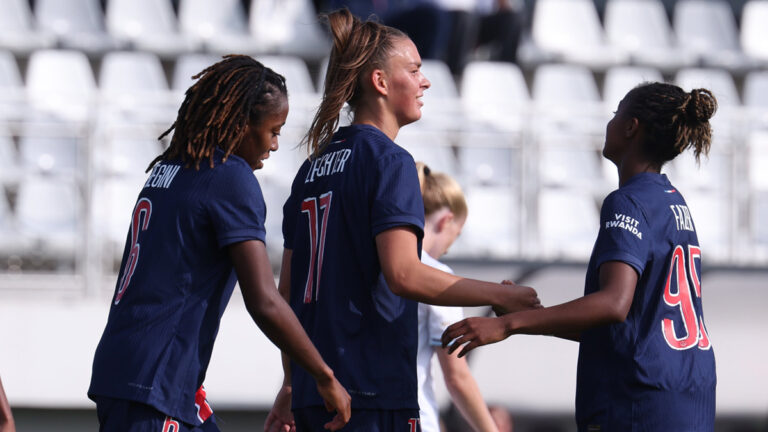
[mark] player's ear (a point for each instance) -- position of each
(379, 82)
(631, 127)
(444, 221)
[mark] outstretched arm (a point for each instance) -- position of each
(276, 319)
(408, 277)
(465, 392)
(6, 418)
(608, 305)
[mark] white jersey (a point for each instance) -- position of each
(433, 320)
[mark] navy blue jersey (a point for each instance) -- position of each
(361, 185)
(175, 281)
(656, 370)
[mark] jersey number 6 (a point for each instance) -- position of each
(143, 208)
(317, 242)
(696, 333)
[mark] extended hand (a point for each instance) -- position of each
(280, 418)
(473, 332)
(336, 399)
(518, 298)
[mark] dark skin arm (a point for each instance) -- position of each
(276, 319)
(6, 418)
(408, 277)
(610, 304)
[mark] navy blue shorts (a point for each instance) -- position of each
(312, 419)
(129, 416)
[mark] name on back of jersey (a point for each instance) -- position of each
(682, 217)
(622, 221)
(328, 164)
(162, 175)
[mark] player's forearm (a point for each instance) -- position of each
(567, 319)
(465, 392)
(467, 398)
(6, 418)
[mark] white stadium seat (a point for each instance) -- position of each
(61, 82)
(641, 27)
(495, 94)
(78, 24)
(220, 25)
(18, 32)
(754, 32)
(148, 25)
(620, 80)
(289, 27)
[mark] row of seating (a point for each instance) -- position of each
(273, 26)
(702, 33)
(62, 81)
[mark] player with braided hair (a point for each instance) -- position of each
(645, 358)
(196, 229)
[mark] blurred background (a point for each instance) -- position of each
(521, 92)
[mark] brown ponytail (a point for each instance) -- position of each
(673, 119)
(358, 47)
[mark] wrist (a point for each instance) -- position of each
(324, 375)
(510, 326)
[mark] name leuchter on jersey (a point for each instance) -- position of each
(328, 164)
(622, 221)
(162, 175)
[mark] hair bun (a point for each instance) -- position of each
(701, 105)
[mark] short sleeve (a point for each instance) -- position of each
(397, 195)
(236, 206)
(440, 317)
(292, 206)
(624, 232)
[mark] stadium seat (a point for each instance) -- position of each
(49, 153)
(757, 161)
(713, 218)
(133, 85)
(301, 90)
(9, 155)
(54, 234)
(565, 97)
(289, 27)
(571, 31)
(713, 173)
(434, 148)
(568, 223)
(11, 242)
(490, 158)
(641, 27)
(12, 100)
(754, 32)
(442, 107)
(61, 82)
(492, 229)
(758, 234)
(570, 160)
(18, 32)
(282, 165)
(187, 66)
(77, 24)
(755, 96)
(220, 25)
(148, 25)
(112, 202)
(708, 29)
(120, 153)
(620, 80)
(495, 94)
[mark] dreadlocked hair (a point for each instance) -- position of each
(674, 120)
(358, 47)
(227, 97)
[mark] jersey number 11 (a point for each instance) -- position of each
(316, 240)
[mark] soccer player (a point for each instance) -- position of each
(352, 229)
(645, 359)
(445, 212)
(196, 229)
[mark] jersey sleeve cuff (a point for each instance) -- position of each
(389, 223)
(636, 263)
(241, 235)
